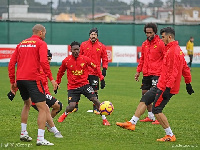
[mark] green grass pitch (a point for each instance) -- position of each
(84, 131)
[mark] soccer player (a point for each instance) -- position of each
(189, 48)
(30, 55)
(51, 101)
(174, 66)
(77, 74)
(96, 51)
(150, 64)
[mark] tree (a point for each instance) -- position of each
(156, 3)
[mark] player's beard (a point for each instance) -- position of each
(93, 40)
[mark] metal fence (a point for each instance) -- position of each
(170, 12)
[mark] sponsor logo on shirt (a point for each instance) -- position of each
(28, 42)
(77, 72)
(93, 64)
(82, 64)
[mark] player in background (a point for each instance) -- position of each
(96, 51)
(30, 55)
(189, 48)
(51, 101)
(77, 74)
(150, 64)
(174, 67)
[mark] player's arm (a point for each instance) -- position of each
(188, 78)
(45, 64)
(11, 71)
(61, 71)
(172, 68)
(104, 57)
(140, 65)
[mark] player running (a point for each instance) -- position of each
(77, 74)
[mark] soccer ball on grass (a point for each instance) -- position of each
(106, 108)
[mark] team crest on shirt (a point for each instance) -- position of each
(82, 64)
(93, 64)
(70, 98)
(97, 49)
(155, 46)
(181, 53)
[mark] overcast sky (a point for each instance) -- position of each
(55, 2)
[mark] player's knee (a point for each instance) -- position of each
(60, 107)
(156, 110)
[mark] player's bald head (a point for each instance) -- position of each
(37, 28)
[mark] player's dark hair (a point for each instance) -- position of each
(151, 25)
(168, 30)
(75, 43)
(94, 30)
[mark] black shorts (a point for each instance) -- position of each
(155, 96)
(86, 90)
(32, 89)
(148, 82)
(94, 82)
(50, 101)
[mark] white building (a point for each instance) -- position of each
(20, 12)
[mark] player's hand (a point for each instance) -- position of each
(103, 84)
(55, 84)
(13, 88)
(104, 72)
(189, 88)
(137, 76)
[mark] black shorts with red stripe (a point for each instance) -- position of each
(86, 90)
(148, 82)
(155, 96)
(32, 89)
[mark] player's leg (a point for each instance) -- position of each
(73, 98)
(37, 95)
(146, 85)
(159, 103)
(88, 92)
(52, 102)
(25, 111)
(94, 82)
(146, 99)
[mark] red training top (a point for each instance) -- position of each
(174, 66)
(151, 57)
(29, 55)
(96, 52)
(77, 71)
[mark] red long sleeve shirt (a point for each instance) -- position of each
(77, 71)
(96, 52)
(29, 55)
(44, 80)
(152, 55)
(174, 66)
